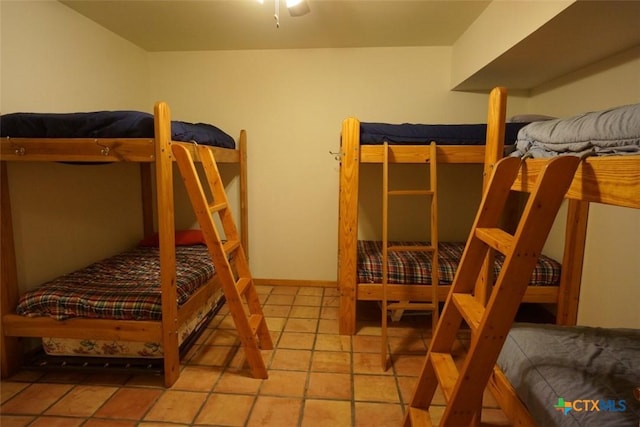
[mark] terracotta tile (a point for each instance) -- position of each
(369, 363)
(378, 414)
(109, 423)
(237, 382)
(26, 376)
(156, 381)
(330, 300)
(330, 342)
(9, 389)
(264, 289)
(227, 337)
(329, 386)
(407, 387)
(275, 411)
(56, 422)
(307, 300)
(107, 378)
(129, 403)
(408, 344)
(408, 364)
(297, 340)
(326, 413)
(155, 424)
(15, 420)
(331, 361)
(197, 378)
(310, 290)
(82, 401)
(284, 383)
(35, 399)
(291, 360)
(329, 313)
(276, 323)
(227, 323)
(494, 417)
(375, 388)
(301, 325)
(366, 344)
(329, 326)
(271, 310)
(285, 290)
(176, 406)
(67, 377)
(305, 312)
(213, 355)
(225, 409)
(275, 299)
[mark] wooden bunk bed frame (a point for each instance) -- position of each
(565, 296)
(145, 151)
(607, 180)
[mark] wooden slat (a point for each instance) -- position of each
(419, 417)
(230, 245)
(421, 153)
(496, 238)
(78, 149)
(254, 322)
(411, 192)
(416, 306)
(411, 248)
(242, 285)
(216, 207)
(446, 372)
(471, 310)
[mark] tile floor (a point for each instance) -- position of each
(316, 377)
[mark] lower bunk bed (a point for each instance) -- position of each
(569, 376)
(146, 303)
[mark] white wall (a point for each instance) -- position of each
(53, 60)
(610, 292)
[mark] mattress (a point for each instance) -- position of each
(453, 134)
(415, 267)
(106, 124)
(574, 376)
(125, 286)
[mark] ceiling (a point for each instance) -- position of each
(187, 25)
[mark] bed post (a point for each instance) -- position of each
(494, 151)
(572, 260)
(348, 224)
(146, 188)
(166, 230)
(244, 199)
(10, 347)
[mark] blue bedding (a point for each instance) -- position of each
(106, 124)
(417, 134)
(574, 376)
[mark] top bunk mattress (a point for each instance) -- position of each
(614, 131)
(561, 372)
(421, 134)
(106, 124)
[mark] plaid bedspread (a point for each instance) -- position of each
(415, 267)
(126, 286)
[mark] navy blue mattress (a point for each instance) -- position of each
(106, 124)
(417, 134)
(555, 369)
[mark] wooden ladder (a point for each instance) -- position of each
(463, 387)
(229, 258)
(397, 308)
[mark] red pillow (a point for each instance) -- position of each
(183, 238)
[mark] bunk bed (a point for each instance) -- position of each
(462, 144)
(166, 312)
(543, 370)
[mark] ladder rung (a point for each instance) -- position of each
(410, 248)
(230, 245)
(411, 192)
(419, 417)
(496, 238)
(470, 308)
(446, 371)
(217, 207)
(411, 306)
(254, 322)
(242, 284)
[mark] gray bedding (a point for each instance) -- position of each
(615, 131)
(575, 376)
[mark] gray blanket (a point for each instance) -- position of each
(614, 131)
